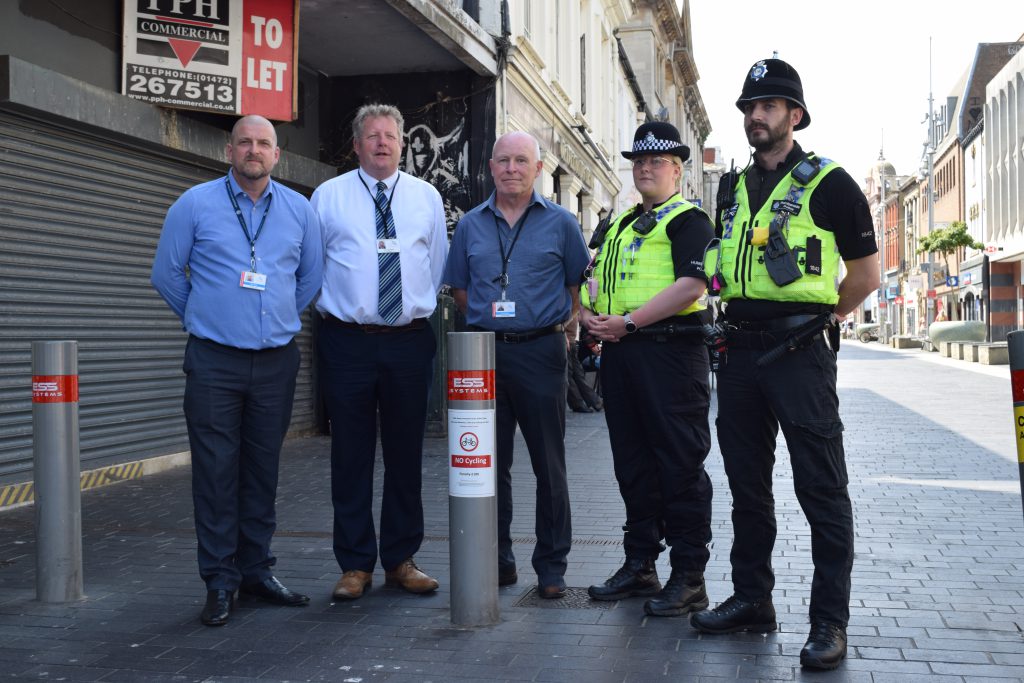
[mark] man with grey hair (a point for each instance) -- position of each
(524, 301)
(385, 242)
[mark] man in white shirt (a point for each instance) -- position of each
(385, 244)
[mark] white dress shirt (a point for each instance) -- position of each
(345, 207)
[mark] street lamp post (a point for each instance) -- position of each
(882, 301)
(929, 308)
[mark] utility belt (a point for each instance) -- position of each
(763, 335)
(775, 337)
(668, 332)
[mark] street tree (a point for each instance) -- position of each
(946, 241)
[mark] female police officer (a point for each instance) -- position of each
(646, 295)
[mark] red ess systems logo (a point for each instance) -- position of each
(471, 385)
(55, 388)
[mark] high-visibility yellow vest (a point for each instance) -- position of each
(742, 262)
(631, 268)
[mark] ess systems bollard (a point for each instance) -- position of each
(1015, 347)
(472, 506)
(55, 456)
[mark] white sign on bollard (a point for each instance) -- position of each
(471, 445)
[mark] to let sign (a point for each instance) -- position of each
(229, 56)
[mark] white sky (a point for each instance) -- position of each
(864, 67)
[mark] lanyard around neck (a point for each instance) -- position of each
(245, 229)
(391, 196)
(502, 279)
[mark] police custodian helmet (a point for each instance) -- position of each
(774, 78)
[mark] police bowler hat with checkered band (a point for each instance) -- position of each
(769, 78)
(658, 137)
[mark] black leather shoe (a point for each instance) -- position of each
(683, 593)
(636, 577)
(217, 608)
(737, 615)
(507, 576)
(552, 591)
(273, 591)
(584, 409)
(825, 647)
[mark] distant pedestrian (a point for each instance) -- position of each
(239, 259)
(581, 397)
(794, 215)
(646, 301)
(514, 268)
(385, 243)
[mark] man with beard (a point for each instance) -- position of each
(239, 259)
(794, 216)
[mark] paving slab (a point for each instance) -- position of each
(938, 580)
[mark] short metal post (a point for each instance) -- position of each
(472, 502)
(1015, 346)
(55, 453)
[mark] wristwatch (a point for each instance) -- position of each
(630, 325)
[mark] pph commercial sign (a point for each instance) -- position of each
(229, 56)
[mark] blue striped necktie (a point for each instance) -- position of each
(389, 301)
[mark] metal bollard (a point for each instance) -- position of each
(472, 505)
(55, 454)
(1015, 347)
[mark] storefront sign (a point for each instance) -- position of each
(230, 56)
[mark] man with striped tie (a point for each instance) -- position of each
(385, 244)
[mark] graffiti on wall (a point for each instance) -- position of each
(442, 159)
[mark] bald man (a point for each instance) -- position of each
(515, 266)
(239, 259)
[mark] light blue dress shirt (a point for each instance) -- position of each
(203, 252)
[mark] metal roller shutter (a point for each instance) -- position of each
(80, 217)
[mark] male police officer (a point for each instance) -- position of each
(794, 216)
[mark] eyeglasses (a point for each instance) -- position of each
(653, 162)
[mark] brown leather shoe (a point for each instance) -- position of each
(408, 576)
(352, 584)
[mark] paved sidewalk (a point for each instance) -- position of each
(938, 585)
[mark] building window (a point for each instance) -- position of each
(527, 21)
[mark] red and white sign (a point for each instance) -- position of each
(471, 439)
(228, 56)
(55, 388)
(471, 385)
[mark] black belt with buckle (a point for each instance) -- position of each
(763, 335)
(774, 324)
(524, 336)
(416, 324)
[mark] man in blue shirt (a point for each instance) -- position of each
(239, 258)
(524, 299)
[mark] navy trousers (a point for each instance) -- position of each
(798, 393)
(530, 386)
(656, 399)
(364, 375)
(238, 405)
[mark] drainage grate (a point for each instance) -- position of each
(575, 598)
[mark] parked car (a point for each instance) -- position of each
(867, 332)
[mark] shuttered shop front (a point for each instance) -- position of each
(80, 217)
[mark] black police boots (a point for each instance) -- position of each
(683, 593)
(737, 615)
(635, 577)
(825, 647)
